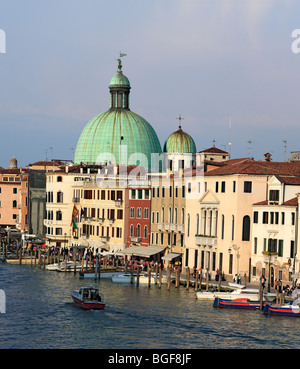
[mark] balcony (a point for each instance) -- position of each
(111, 221)
(180, 228)
(135, 239)
(167, 227)
(160, 226)
(173, 227)
(76, 200)
(205, 240)
(104, 239)
(101, 220)
(118, 202)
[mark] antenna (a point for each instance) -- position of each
(229, 137)
(249, 148)
(284, 145)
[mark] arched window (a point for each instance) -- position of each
(145, 232)
(223, 226)
(14, 204)
(138, 230)
(59, 179)
(246, 228)
(232, 229)
(131, 230)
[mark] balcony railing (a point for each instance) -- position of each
(104, 239)
(135, 239)
(205, 240)
(76, 200)
(118, 202)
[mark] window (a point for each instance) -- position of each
(282, 218)
(292, 254)
(15, 216)
(234, 186)
(280, 248)
(217, 186)
(58, 231)
(14, 204)
(223, 225)
(272, 245)
(131, 230)
(163, 191)
(246, 228)
(139, 213)
(232, 229)
(60, 196)
(293, 218)
(274, 195)
(58, 215)
(183, 191)
(15, 190)
(247, 186)
(223, 186)
(59, 179)
(255, 245)
(145, 232)
(131, 212)
(265, 217)
(146, 213)
(119, 214)
(255, 217)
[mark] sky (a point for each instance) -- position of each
(226, 66)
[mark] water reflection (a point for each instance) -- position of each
(40, 314)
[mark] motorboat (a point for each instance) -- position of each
(240, 303)
(88, 298)
(103, 274)
(238, 291)
(289, 309)
(61, 267)
(126, 278)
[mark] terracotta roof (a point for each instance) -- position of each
(265, 202)
(295, 180)
(252, 167)
(291, 202)
(44, 162)
(214, 150)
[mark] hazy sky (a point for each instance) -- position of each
(206, 60)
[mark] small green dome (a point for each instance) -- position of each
(180, 142)
(119, 80)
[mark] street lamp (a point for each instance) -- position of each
(270, 253)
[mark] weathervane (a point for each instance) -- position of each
(120, 62)
(179, 118)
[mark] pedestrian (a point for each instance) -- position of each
(217, 275)
(263, 281)
(239, 280)
(235, 279)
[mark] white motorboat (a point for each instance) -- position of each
(240, 291)
(61, 266)
(126, 278)
(103, 274)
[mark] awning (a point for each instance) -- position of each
(145, 251)
(171, 256)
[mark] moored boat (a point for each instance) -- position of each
(88, 298)
(103, 274)
(289, 309)
(239, 292)
(240, 303)
(126, 278)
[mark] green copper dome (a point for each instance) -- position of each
(180, 142)
(118, 135)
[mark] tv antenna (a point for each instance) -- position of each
(284, 145)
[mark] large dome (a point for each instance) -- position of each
(116, 128)
(180, 142)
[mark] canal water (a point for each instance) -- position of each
(40, 314)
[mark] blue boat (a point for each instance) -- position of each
(238, 303)
(290, 309)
